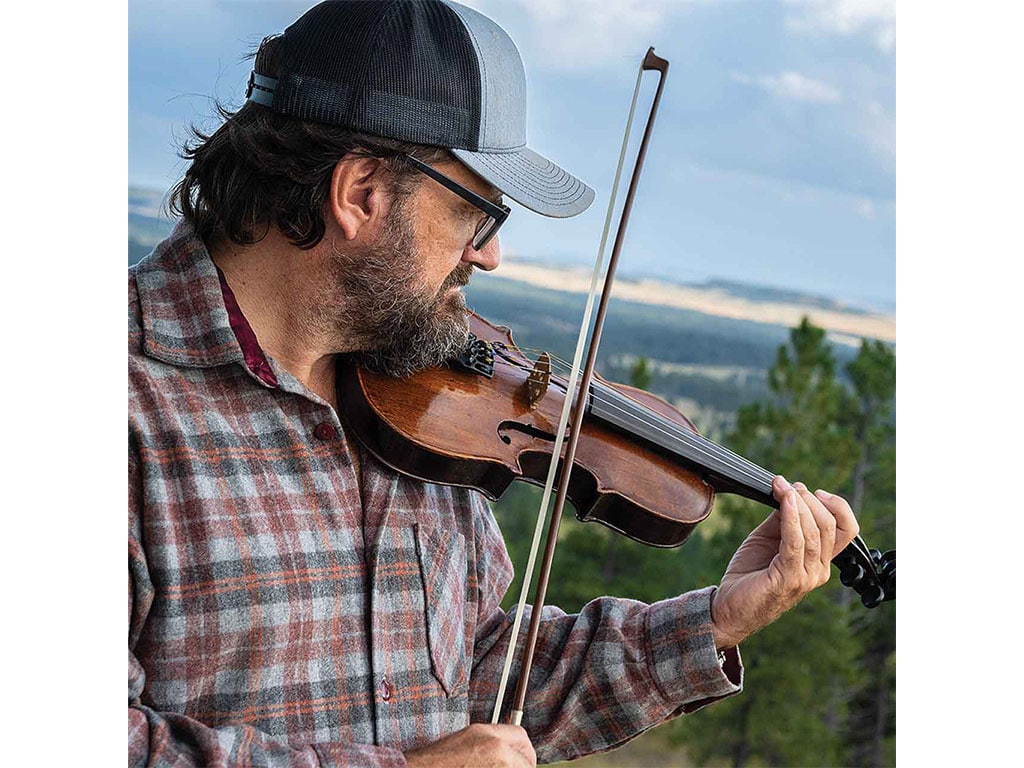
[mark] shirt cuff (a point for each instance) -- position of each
(682, 657)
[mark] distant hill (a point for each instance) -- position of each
(148, 224)
(778, 295)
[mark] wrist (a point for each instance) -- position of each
(723, 638)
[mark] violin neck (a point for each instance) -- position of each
(726, 471)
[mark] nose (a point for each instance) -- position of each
(487, 258)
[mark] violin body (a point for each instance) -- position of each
(458, 426)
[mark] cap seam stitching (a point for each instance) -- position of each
(483, 78)
(361, 90)
(516, 174)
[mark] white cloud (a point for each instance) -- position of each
(878, 128)
(583, 34)
(866, 207)
(876, 18)
(792, 86)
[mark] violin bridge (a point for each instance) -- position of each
(538, 380)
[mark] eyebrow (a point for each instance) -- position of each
(492, 195)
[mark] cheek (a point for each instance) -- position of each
(440, 243)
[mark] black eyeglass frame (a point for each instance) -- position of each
(496, 214)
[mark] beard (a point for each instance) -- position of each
(398, 326)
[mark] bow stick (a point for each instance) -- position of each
(650, 62)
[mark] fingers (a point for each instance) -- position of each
(793, 503)
(847, 526)
(810, 525)
(780, 487)
(791, 547)
(825, 525)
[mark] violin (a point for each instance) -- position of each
(490, 417)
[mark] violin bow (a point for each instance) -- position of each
(869, 572)
(651, 62)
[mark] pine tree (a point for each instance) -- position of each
(788, 713)
(871, 724)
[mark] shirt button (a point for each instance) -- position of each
(385, 689)
(325, 431)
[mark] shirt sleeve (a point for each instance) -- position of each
(171, 739)
(600, 677)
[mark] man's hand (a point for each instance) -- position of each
(782, 560)
(478, 746)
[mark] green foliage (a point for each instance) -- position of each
(819, 681)
(592, 560)
(640, 374)
(871, 725)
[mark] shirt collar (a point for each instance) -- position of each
(189, 314)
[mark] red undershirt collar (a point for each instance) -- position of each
(254, 355)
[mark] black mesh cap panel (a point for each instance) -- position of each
(404, 69)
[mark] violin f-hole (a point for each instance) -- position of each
(527, 429)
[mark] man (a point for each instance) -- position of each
(292, 601)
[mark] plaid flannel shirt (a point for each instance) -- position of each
(292, 601)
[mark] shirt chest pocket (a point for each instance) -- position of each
(442, 559)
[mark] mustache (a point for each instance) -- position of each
(459, 277)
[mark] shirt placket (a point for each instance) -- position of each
(385, 605)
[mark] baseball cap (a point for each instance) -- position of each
(426, 72)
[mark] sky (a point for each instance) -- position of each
(773, 159)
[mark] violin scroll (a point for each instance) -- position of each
(871, 574)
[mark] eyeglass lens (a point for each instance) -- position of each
(484, 232)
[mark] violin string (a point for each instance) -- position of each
(674, 431)
(702, 445)
(695, 448)
(740, 465)
(755, 472)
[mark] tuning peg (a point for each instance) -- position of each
(887, 574)
(851, 574)
(873, 595)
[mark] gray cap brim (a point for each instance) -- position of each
(531, 180)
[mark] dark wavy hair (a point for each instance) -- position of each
(261, 168)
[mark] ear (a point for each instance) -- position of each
(359, 197)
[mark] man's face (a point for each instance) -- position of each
(444, 224)
(403, 303)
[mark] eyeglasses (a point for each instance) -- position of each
(495, 214)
